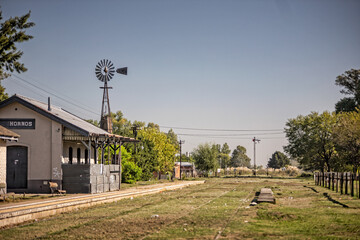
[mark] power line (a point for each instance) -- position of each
(227, 135)
(63, 99)
(224, 130)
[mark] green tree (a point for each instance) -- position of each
(12, 31)
(121, 125)
(278, 160)
(239, 157)
(350, 81)
(224, 156)
(171, 135)
(156, 154)
(206, 157)
(347, 139)
(310, 140)
(93, 122)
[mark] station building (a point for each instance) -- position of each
(57, 146)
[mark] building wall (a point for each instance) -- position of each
(75, 146)
(2, 161)
(44, 146)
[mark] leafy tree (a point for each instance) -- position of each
(239, 157)
(173, 138)
(205, 156)
(157, 153)
(224, 155)
(347, 138)
(310, 140)
(121, 125)
(12, 31)
(350, 81)
(93, 122)
(278, 160)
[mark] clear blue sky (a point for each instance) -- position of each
(198, 64)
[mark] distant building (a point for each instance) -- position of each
(57, 146)
(5, 136)
(187, 169)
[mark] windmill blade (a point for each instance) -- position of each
(99, 76)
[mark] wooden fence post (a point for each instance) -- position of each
(333, 181)
(341, 182)
(352, 184)
(337, 182)
(346, 183)
(358, 178)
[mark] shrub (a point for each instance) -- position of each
(130, 172)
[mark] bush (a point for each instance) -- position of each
(130, 172)
(306, 175)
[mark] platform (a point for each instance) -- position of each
(15, 213)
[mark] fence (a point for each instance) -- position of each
(345, 183)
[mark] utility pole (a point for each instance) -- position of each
(255, 140)
(181, 142)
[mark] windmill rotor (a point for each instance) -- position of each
(104, 70)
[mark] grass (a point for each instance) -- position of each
(218, 209)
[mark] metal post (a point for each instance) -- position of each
(180, 143)
(120, 165)
(255, 140)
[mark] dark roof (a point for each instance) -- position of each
(61, 116)
(7, 134)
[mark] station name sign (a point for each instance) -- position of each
(18, 123)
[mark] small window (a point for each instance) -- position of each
(86, 156)
(70, 155)
(78, 155)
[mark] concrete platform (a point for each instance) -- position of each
(266, 195)
(15, 213)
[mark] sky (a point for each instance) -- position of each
(200, 64)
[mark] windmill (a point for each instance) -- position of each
(104, 71)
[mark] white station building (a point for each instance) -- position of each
(57, 146)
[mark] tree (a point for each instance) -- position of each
(350, 81)
(157, 153)
(347, 139)
(173, 138)
(224, 155)
(239, 157)
(278, 160)
(121, 125)
(12, 31)
(310, 140)
(205, 156)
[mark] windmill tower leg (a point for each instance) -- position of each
(105, 122)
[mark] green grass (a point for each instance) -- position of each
(217, 209)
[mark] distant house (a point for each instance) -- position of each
(5, 136)
(57, 146)
(187, 169)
